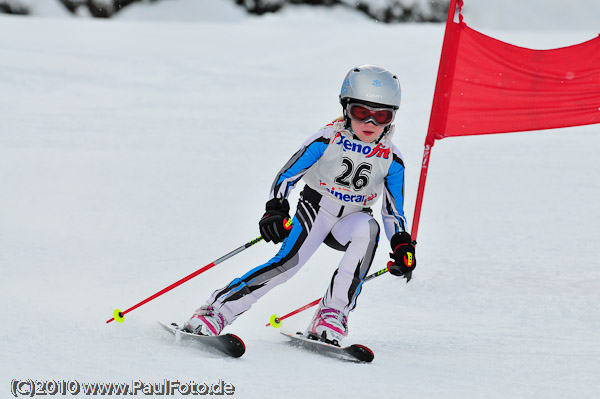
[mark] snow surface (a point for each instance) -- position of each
(133, 153)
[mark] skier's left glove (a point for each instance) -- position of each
(275, 225)
(403, 248)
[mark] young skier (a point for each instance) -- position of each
(346, 166)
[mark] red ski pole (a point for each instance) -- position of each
(119, 315)
(276, 320)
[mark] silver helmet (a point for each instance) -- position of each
(371, 84)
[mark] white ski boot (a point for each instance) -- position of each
(328, 325)
(205, 321)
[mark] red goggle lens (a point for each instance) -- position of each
(380, 116)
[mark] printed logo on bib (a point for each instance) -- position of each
(350, 198)
(379, 151)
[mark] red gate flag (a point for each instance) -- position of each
(498, 87)
(487, 86)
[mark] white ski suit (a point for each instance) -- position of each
(344, 177)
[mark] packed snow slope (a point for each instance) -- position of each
(132, 154)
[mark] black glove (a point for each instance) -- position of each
(403, 255)
(275, 225)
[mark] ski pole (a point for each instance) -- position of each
(119, 315)
(275, 320)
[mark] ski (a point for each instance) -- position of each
(357, 353)
(228, 344)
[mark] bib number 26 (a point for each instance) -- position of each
(357, 178)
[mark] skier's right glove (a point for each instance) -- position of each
(275, 225)
(403, 255)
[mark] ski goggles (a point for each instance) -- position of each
(364, 113)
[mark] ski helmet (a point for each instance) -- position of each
(371, 84)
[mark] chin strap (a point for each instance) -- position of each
(389, 131)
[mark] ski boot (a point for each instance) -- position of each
(205, 321)
(328, 325)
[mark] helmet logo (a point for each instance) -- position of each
(345, 86)
(376, 83)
